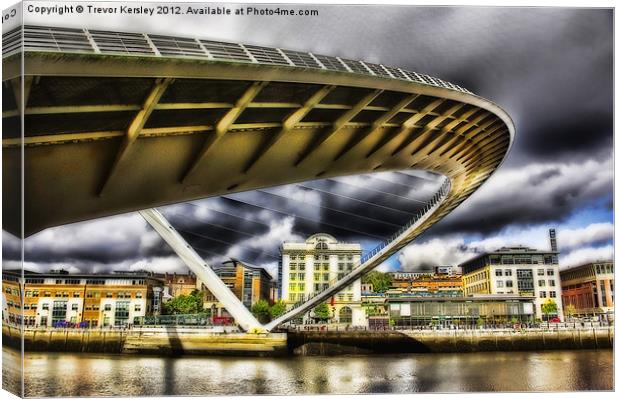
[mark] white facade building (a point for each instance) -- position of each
(310, 266)
(518, 270)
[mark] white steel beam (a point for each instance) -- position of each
(200, 268)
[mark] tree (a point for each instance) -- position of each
(570, 310)
(549, 308)
(261, 311)
(321, 312)
(185, 304)
(381, 282)
(277, 309)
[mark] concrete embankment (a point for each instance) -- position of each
(428, 341)
(169, 341)
(217, 341)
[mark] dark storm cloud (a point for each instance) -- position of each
(550, 69)
(534, 194)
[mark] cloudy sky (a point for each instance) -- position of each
(551, 69)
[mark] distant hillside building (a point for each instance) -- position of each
(309, 266)
(179, 284)
(590, 289)
(426, 284)
(516, 271)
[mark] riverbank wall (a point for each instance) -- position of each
(167, 341)
(445, 341)
(194, 341)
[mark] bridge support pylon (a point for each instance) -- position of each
(196, 264)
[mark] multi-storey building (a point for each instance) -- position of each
(248, 283)
(407, 276)
(589, 289)
(51, 299)
(310, 266)
(426, 284)
(178, 284)
(516, 271)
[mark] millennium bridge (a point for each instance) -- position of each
(111, 122)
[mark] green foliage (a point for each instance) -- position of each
(381, 282)
(261, 310)
(570, 309)
(277, 309)
(480, 321)
(185, 304)
(322, 312)
(549, 307)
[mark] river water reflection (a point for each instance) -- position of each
(52, 374)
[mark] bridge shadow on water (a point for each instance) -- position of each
(174, 342)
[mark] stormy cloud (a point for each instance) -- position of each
(551, 69)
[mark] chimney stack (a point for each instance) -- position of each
(553, 241)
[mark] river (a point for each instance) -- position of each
(59, 374)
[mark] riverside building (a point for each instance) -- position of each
(520, 271)
(446, 312)
(90, 300)
(310, 266)
(426, 284)
(249, 283)
(589, 289)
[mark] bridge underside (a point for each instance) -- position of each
(110, 135)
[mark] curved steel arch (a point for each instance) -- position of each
(117, 122)
(126, 131)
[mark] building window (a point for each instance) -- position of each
(551, 283)
(121, 313)
(293, 276)
(107, 307)
(542, 294)
(45, 306)
(541, 283)
(552, 294)
(498, 272)
(301, 287)
(137, 308)
(74, 306)
(59, 311)
(138, 295)
(550, 272)
(509, 283)
(108, 295)
(302, 266)
(508, 272)
(541, 272)
(500, 284)
(345, 315)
